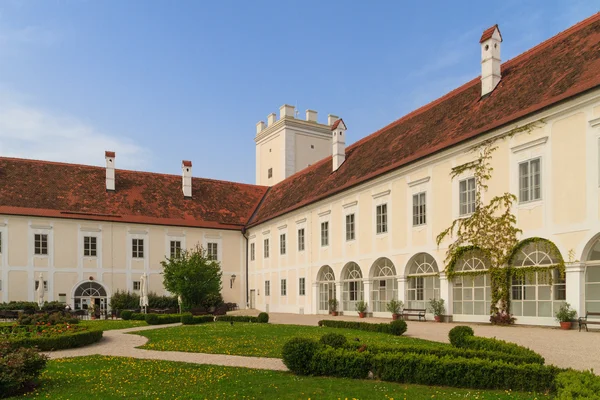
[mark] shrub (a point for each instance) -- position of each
(577, 385)
(340, 363)
(19, 368)
(53, 306)
(136, 316)
(565, 313)
(458, 333)
(58, 342)
(122, 300)
(29, 307)
(189, 319)
(161, 319)
(437, 307)
(398, 327)
(394, 306)
(126, 315)
(156, 301)
(45, 319)
(334, 340)
(263, 318)
(502, 319)
(298, 353)
(236, 318)
(363, 326)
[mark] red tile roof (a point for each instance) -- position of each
(562, 67)
(109, 154)
(488, 33)
(186, 163)
(49, 189)
(335, 124)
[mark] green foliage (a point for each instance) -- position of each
(390, 328)
(436, 306)
(565, 313)
(298, 354)
(577, 385)
(334, 340)
(394, 306)
(340, 363)
(122, 300)
(27, 306)
(263, 318)
(46, 319)
(237, 318)
(194, 276)
(126, 315)
(58, 342)
(161, 319)
(212, 300)
(333, 305)
(19, 368)
(189, 319)
(458, 334)
(361, 306)
(138, 316)
(398, 327)
(156, 301)
(53, 306)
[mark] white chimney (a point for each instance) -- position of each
(286, 111)
(186, 169)
(260, 127)
(490, 59)
(110, 170)
(271, 119)
(331, 119)
(338, 130)
(311, 115)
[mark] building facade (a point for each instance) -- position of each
(352, 223)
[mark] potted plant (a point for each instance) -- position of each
(361, 307)
(395, 307)
(436, 306)
(333, 305)
(565, 316)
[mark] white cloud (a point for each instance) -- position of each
(36, 133)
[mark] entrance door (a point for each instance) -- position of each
(252, 299)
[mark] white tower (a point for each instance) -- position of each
(339, 143)
(490, 59)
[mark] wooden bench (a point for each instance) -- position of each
(413, 312)
(584, 321)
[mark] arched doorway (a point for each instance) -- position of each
(352, 286)
(539, 293)
(592, 276)
(90, 292)
(471, 291)
(423, 281)
(326, 281)
(385, 284)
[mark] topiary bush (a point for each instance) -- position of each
(298, 353)
(263, 318)
(126, 315)
(398, 327)
(577, 385)
(365, 326)
(458, 333)
(19, 368)
(334, 340)
(341, 363)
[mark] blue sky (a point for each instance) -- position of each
(162, 81)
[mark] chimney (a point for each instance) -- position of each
(338, 130)
(286, 111)
(331, 119)
(490, 59)
(110, 170)
(260, 127)
(271, 119)
(311, 115)
(186, 169)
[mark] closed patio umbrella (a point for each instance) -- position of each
(40, 291)
(144, 292)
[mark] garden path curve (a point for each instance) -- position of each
(119, 343)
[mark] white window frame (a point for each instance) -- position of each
(43, 237)
(301, 286)
(283, 287)
(324, 233)
(37, 282)
(135, 249)
(350, 223)
(470, 203)
(266, 249)
(136, 286)
(301, 239)
(530, 190)
(171, 247)
(282, 244)
(252, 251)
(419, 209)
(212, 250)
(267, 288)
(381, 219)
(87, 247)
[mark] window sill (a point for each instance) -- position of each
(420, 227)
(529, 205)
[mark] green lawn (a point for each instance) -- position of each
(100, 377)
(257, 340)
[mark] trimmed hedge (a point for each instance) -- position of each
(189, 319)
(334, 340)
(577, 385)
(244, 318)
(263, 318)
(127, 315)
(58, 342)
(298, 353)
(463, 337)
(396, 328)
(161, 319)
(341, 363)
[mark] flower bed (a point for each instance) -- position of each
(49, 337)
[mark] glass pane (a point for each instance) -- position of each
(468, 308)
(592, 274)
(468, 294)
(530, 293)
(592, 306)
(529, 309)
(479, 280)
(479, 293)
(592, 291)
(517, 307)
(457, 307)
(479, 308)
(544, 293)
(468, 281)
(457, 294)
(544, 309)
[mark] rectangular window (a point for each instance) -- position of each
(270, 173)
(301, 239)
(560, 287)
(466, 189)
(350, 235)
(302, 286)
(324, 234)
(175, 248)
(252, 252)
(284, 287)
(41, 244)
(530, 181)
(137, 285)
(137, 248)
(267, 288)
(266, 248)
(212, 251)
(419, 210)
(89, 246)
(62, 298)
(420, 286)
(37, 284)
(517, 289)
(382, 218)
(282, 243)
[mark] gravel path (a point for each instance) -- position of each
(121, 344)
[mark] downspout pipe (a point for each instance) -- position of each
(245, 234)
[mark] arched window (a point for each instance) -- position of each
(471, 294)
(352, 286)
(423, 282)
(533, 295)
(385, 284)
(90, 293)
(326, 280)
(592, 276)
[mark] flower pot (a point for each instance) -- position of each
(334, 313)
(395, 316)
(438, 318)
(565, 325)
(361, 314)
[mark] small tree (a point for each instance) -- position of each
(193, 275)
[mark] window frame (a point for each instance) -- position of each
(90, 246)
(283, 286)
(40, 244)
(530, 189)
(419, 208)
(252, 251)
(282, 244)
(324, 233)
(468, 205)
(301, 239)
(381, 219)
(302, 286)
(137, 248)
(136, 285)
(37, 283)
(266, 248)
(267, 288)
(212, 251)
(350, 227)
(174, 248)
(270, 173)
